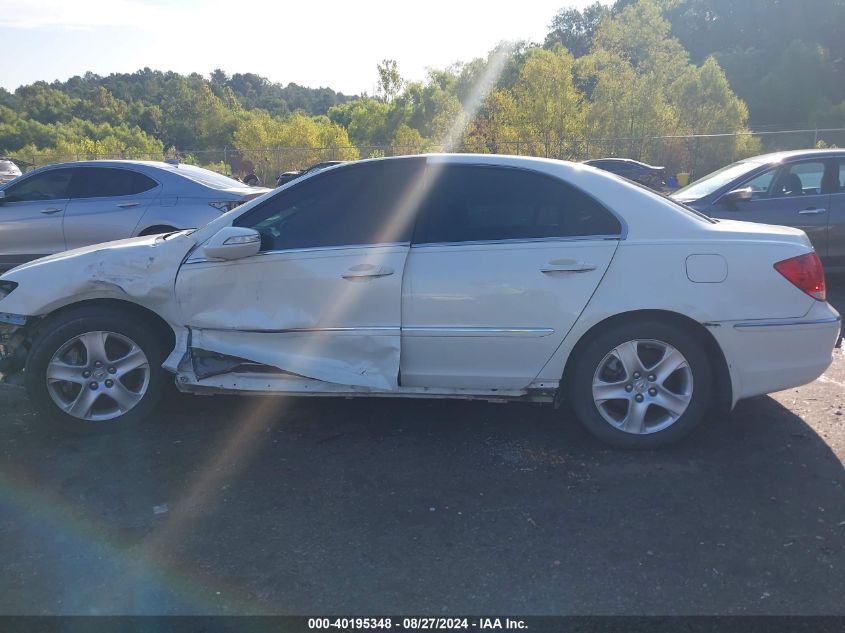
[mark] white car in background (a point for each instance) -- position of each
(444, 276)
(8, 171)
(69, 205)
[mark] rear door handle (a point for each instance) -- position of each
(366, 271)
(51, 210)
(567, 266)
(128, 205)
(811, 211)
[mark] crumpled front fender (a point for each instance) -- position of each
(141, 270)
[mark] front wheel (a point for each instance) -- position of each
(642, 385)
(95, 370)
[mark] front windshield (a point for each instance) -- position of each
(714, 181)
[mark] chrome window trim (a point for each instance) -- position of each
(340, 247)
(527, 240)
(532, 332)
(786, 322)
(307, 330)
(311, 249)
(527, 332)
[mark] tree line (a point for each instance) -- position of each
(638, 78)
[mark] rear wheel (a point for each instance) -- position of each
(642, 385)
(95, 369)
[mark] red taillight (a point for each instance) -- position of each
(805, 272)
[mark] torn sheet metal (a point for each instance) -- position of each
(331, 315)
(206, 364)
(343, 357)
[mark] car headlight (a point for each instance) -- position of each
(6, 288)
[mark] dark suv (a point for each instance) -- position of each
(293, 175)
(649, 175)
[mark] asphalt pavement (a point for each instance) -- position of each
(226, 505)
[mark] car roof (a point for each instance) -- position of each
(463, 158)
(183, 171)
(155, 164)
(624, 161)
(776, 157)
(504, 160)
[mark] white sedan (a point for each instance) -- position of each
(445, 276)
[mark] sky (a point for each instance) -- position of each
(310, 42)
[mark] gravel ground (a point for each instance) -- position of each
(310, 506)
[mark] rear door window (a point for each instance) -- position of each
(482, 203)
(108, 182)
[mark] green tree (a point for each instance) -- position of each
(705, 104)
(193, 117)
(495, 129)
(782, 58)
(274, 145)
(407, 140)
(364, 119)
(45, 104)
(548, 103)
(574, 29)
(627, 107)
(389, 80)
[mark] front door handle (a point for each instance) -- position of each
(811, 211)
(366, 271)
(567, 266)
(51, 210)
(128, 205)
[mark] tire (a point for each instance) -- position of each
(623, 390)
(62, 379)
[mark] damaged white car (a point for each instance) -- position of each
(444, 276)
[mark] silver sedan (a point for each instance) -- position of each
(69, 205)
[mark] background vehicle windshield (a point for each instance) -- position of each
(713, 181)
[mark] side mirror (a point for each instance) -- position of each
(232, 242)
(737, 195)
(2, 197)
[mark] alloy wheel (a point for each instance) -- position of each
(98, 376)
(642, 386)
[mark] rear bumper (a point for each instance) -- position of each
(773, 354)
